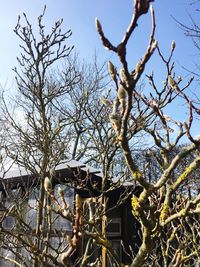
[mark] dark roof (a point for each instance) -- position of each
(72, 172)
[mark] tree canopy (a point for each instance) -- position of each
(109, 119)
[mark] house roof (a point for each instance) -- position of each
(68, 171)
(86, 180)
(18, 171)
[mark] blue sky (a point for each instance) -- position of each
(114, 15)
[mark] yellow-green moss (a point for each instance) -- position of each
(185, 174)
(164, 212)
(137, 175)
(134, 202)
(135, 205)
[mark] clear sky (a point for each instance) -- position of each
(79, 17)
(114, 15)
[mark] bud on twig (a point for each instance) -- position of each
(122, 98)
(122, 75)
(98, 25)
(65, 212)
(172, 82)
(106, 102)
(139, 68)
(60, 192)
(155, 44)
(121, 93)
(107, 44)
(167, 117)
(173, 45)
(78, 201)
(47, 184)
(111, 67)
(115, 120)
(112, 70)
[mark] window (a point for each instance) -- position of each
(58, 244)
(9, 222)
(61, 223)
(114, 227)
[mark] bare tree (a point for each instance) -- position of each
(155, 216)
(39, 140)
(73, 110)
(55, 114)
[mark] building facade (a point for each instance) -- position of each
(70, 176)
